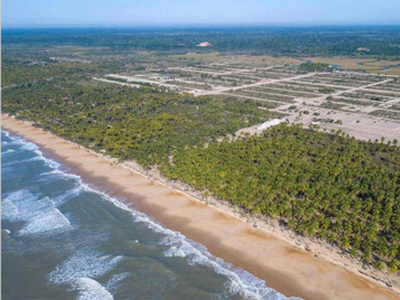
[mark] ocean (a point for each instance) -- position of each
(62, 239)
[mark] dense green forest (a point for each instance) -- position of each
(382, 41)
(143, 124)
(29, 74)
(326, 185)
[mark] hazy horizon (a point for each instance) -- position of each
(194, 26)
(178, 13)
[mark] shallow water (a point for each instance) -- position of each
(64, 240)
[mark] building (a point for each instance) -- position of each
(204, 44)
(165, 78)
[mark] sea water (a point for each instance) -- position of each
(63, 240)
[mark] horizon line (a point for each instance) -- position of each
(194, 25)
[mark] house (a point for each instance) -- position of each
(204, 44)
(165, 78)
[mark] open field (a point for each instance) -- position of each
(364, 105)
(388, 67)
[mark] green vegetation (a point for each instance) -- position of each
(30, 74)
(329, 186)
(326, 90)
(386, 114)
(143, 124)
(314, 41)
(314, 67)
(322, 185)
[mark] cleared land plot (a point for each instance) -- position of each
(334, 81)
(353, 101)
(298, 87)
(240, 80)
(386, 114)
(345, 79)
(367, 96)
(389, 86)
(355, 77)
(375, 91)
(321, 88)
(283, 92)
(333, 105)
(189, 85)
(268, 102)
(288, 69)
(273, 75)
(361, 64)
(395, 107)
(264, 95)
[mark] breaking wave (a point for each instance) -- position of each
(40, 215)
(81, 269)
(239, 281)
(85, 263)
(115, 281)
(8, 151)
(89, 289)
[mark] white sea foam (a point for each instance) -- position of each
(56, 174)
(79, 272)
(51, 163)
(18, 141)
(68, 195)
(115, 281)
(13, 142)
(174, 252)
(85, 263)
(8, 151)
(80, 268)
(6, 133)
(89, 289)
(47, 221)
(41, 215)
(29, 146)
(16, 162)
(51, 175)
(239, 281)
(8, 210)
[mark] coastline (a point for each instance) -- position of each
(261, 251)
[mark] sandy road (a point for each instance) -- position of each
(238, 71)
(140, 79)
(254, 98)
(360, 88)
(322, 98)
(113, 81)
(222, 90)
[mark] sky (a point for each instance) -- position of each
(64, 13)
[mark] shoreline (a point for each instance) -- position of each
(264, 251)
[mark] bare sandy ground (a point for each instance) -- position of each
(290, 271)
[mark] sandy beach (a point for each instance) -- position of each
(287, 269)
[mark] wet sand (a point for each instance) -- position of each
(288, 270)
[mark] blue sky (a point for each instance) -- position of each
(23, 13)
